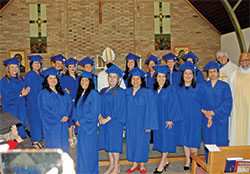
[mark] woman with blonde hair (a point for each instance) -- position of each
(113, 118)
(13, 92)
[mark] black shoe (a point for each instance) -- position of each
(186, 168)
(167, 165)
(164, 169)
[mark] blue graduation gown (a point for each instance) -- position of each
(126, 81)
(190, 105)
(175, 77)
(219, 100)
(34, 81)
(12, 102)
(199, 77)
(70, 83)
(53, 107)
(87, 113)
(141, 116)
(167, 104)
(111, 134)
(150, 80)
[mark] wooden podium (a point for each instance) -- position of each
(217, 160)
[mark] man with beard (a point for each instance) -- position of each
(240, 84)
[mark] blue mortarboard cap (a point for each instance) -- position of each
(137, 72)
(33, 58)
(188, 65)
(212, 65)
(49, 71)
(12, 60)
(85, 74)
(86, 61)
(71, 61)
(190, 54)
(58, 57)
(132, 56)
(153, 58)
(115, 69)
(170, 56)
(161, 69)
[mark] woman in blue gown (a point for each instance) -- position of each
(113, 118)
(131, 63)
(169, 114)
(150, 62)
(218, 107)
(86, 112)
(190, 56)
(190, 105)
(141, 118)
(34, 80)
(69, 82)
(55, 107)
(13, 92)
(174, 75)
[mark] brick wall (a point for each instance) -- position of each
(127, 26)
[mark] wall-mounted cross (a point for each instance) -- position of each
(100, 10)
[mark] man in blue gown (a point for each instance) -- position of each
(218, 106)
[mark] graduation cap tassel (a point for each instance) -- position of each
(218, 70)
(195, 73)
(41, 66)
(146, 80)
(19, 71)
(95, 81)
(121, 79)
(171, 73)
(77, 68)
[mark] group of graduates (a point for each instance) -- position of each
(175, 104)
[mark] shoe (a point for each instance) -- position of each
(167, 165)
(143, 171)
(186, 168)
(37, 145)
(157, 171)
(71, 143)
(131, 171)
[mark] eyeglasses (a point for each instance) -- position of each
(242, 60)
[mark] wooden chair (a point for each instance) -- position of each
(217, 160)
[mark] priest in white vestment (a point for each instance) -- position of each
(108, 57)
(227, 68)
(240, 84)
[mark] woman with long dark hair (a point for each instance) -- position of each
(113, 118)
(131, 63)
(85, 115)
(13, 92)
(174, 75)
(34, 80)
(55, 107)
(168, 114)
(141, 119)
(191, 106)
(69, 82)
